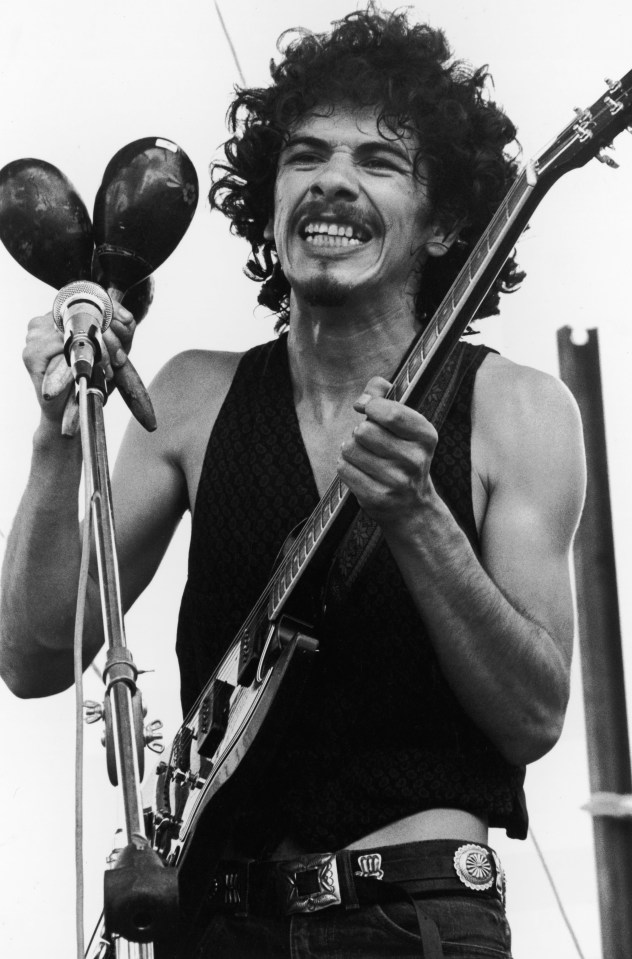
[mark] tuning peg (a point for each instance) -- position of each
(605, 157)
(93, 711)
(583, 124)
(613, 85)
(153, 736)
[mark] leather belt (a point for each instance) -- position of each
(347, 878)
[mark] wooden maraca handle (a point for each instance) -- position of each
(135, 395)
(58, 378)
(127, 379)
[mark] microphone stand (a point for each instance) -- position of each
(140, 892)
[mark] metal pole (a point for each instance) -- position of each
(601, 657)
(140, 892)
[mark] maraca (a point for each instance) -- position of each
(44, 223)
(142, 210)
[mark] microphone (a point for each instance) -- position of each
(82, 311)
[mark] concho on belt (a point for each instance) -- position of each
(474, 867)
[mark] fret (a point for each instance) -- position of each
(517, 193)
(460, 287)
(498, 224)
(442, 317)
(302, 549)
(398, 389)
(429, 337)
(415, 361)
(282, 591)
(335, 493)
(295, 564)
(480, 254)
(310, 537)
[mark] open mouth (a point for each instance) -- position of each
(320, 233)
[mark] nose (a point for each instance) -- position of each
(336, 180)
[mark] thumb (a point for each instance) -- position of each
(376, 387)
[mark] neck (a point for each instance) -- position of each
(334, 352)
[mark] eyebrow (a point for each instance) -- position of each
(362, 149)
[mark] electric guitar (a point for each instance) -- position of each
(220, 750)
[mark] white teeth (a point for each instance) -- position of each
(320, 239)
(330, 229)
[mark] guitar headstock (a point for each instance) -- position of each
(591, 133)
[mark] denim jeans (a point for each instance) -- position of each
(470, 927)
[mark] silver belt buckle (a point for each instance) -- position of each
(309, 884)
(473, 866)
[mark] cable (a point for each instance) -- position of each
(556, 894)
(78, 664)
(230, 44)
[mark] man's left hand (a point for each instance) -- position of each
(386, 461)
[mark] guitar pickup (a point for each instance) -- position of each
(250, 649)
(213, 717)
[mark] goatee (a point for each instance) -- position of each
(324, 291)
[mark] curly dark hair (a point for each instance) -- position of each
(374, 58)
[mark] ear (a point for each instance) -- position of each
(268, 233)
(440, 241)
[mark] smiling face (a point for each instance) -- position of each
(351, 218)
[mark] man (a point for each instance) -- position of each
(361, 177)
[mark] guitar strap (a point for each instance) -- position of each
(364, 535)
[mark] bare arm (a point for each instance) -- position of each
(502, 627)
(41, 566)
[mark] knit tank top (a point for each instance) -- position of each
(378, 734)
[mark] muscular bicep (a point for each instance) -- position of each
(535, 494)
(149, 498)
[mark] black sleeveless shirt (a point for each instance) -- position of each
(378, 734)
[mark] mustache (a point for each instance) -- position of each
(344, 212)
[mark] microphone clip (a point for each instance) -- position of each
(82, 311)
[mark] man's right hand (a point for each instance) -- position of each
(44, 358)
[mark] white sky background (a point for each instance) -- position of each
(78, 80)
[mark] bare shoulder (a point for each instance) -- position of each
(506, 392)
(187, 394)
(526, 430)
(193, 385)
